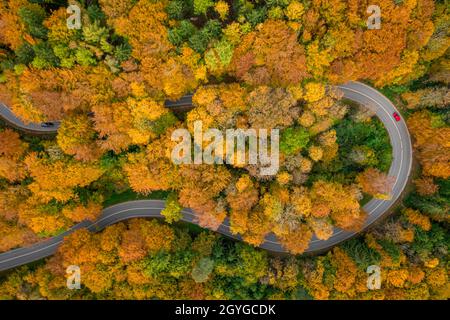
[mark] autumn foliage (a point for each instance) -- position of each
(248, 65)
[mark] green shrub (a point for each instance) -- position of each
(361, 254)
(33, 16)
(202, 6)
(172, 211)
(25, 54)
(181, 33)
(178, 9)
(256, 16)
(391, 249)
(293, 140)
(44, 56)
(122, 52)
(85, 57)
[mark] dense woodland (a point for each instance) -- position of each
(251, 64)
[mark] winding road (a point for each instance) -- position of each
(355, 91)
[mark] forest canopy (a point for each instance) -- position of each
(251, 65)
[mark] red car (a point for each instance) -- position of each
(397, 117)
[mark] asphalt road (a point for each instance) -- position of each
(355, 91)
(39, 128)
(34, 128)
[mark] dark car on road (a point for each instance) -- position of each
(47, 124)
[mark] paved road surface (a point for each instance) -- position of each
(355, 91)
(39, 128)
(34, 128)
